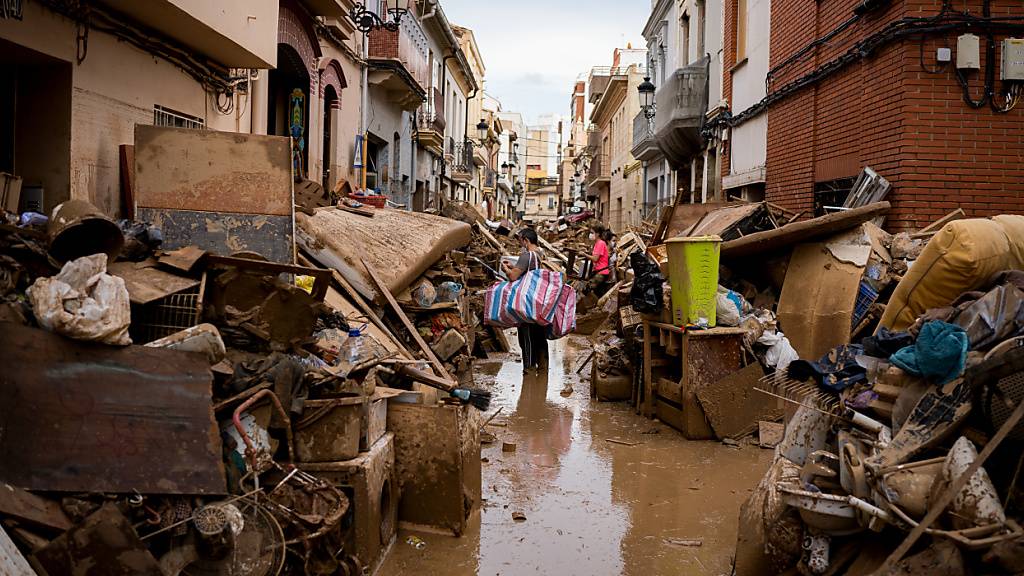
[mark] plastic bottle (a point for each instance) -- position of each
(353, 351)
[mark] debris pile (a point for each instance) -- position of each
(221, 413)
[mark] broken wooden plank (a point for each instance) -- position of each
(24, 505)
(183, 259)
(554, 251)
(490, 238)
(934, 227)
(796, 232)
(390, 299)
(105, 543)
(146, 283)
(356, 210)
(84, 417)
(12, 563)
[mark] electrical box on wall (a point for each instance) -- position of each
(968, 52)
(1012, 68)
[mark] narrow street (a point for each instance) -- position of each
(592, 506)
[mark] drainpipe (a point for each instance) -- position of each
(364, 119)
(465, 129)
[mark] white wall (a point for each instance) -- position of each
(114, 88)
(749, 140)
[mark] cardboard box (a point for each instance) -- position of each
(10, 191)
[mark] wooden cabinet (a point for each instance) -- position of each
(677, 364)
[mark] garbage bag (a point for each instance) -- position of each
(647, 295)
(729, 307)
(780, 353)
(83, 302)
(141, 239)
(994, 317)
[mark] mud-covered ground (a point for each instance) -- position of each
(603, 491)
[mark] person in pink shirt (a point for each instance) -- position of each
(601, 257)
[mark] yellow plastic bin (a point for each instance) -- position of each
(693, 275)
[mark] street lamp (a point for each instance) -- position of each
(646, 90)
(367, 20)
(481, 129)
(504, 168)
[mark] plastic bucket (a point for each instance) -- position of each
(693, 275)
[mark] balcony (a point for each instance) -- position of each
(600, 171)
(480, 154)
(462, 161)
(233, 34)
(430, 125)
(645, 147)
(398, 63)
(329, 8)
(594, 137)
(601, 77)
(681, 100)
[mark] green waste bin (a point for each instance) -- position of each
(693, 275)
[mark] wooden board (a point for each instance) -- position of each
(733, 407)
(23, 505)
(12, 563)
(790, 234)
(146, 283)
(390, 299)
(83, 417)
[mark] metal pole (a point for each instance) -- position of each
(365, 115)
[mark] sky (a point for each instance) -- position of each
(535, 49)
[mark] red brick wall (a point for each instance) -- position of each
(886, 112)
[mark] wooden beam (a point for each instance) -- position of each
(938, 224)
(554, 251)
(363, 307)
(390, 299)
(937, 508)
(490, 238)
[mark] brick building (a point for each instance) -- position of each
(873, 93)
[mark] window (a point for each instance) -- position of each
(174, 119)
(741, 30)
(684, 44)
(551, 201)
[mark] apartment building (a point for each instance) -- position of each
(930, 106)
(684, 42)
(613, 177)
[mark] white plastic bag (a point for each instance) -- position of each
(83, 302)
(780, 352)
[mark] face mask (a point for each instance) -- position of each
(593, 236)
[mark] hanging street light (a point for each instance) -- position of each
(367, 20)
(481, 129)
(504, 168)
(646, 89)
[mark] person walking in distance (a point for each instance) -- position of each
(601, 257)
(532, 338)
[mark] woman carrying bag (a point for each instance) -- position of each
(532, 337)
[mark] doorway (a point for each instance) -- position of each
(331, 103)
(288, 105)
(35, 126)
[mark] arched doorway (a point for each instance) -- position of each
(331, 105)
(288, 104)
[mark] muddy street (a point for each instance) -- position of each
(603, 491)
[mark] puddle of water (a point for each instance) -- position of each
(592, 507)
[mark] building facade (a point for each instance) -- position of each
(613, 177)
(944, 136)
(67, 104)
(681, 157)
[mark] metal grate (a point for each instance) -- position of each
(166, 316)
(174, 119)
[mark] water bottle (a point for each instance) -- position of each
(353, 351)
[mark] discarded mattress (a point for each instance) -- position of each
(399, 245)
(963, 256)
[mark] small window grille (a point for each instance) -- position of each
(174, 119)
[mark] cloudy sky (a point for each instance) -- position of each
(535, 49)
